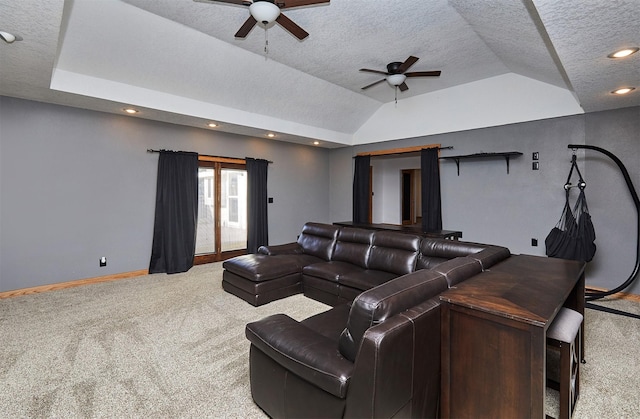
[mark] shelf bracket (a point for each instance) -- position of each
(457, 160)
(506, 157)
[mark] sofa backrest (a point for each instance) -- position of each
(394, 252)
(318, 239)
(435, 251)
(353, 245)
(490, 256)
(428, 262)
(458, 269)
(448, 249)
(376, 305)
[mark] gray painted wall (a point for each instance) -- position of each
(76, 185)
(488, 205)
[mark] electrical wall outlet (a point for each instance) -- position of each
(534, 242)
(103, 261)
(535, 165)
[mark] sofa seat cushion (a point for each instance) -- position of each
(258, 268)
(329, 323)
(331, 271)
(306, 353)
(365, 279)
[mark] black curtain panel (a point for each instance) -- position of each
(257, 222)
(174, 231)
(431, 202)
(361, 183)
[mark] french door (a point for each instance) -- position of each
(222, 211)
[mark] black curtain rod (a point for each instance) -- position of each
(150, 150)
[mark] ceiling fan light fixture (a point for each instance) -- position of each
(9, 38)
(625, 52)
(264, 12)
(396, 79)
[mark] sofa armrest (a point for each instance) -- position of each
(309, 355)
(397, 370)
(281, 249)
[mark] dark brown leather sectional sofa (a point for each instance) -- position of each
(334, 264)
(376, 353)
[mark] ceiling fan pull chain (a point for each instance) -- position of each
(396, 89)
(266, 43)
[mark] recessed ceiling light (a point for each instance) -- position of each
(316, 143)
(271, 135)
(623, 53)
(131, 110)
(212, 125)
(623, 90)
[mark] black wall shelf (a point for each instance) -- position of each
(507, 155)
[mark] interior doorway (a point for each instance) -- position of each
(410, 196)
(385, 184)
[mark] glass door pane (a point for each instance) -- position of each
(233, 209)
(206, 231)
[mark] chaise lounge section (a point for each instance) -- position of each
(276, 271)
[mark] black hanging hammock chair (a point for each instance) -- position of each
(591, 295)
(573, 237)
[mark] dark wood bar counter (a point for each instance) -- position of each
(410, 229)
(494, 336)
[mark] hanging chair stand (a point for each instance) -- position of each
(594, 295)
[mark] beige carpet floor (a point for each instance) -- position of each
(173, 346)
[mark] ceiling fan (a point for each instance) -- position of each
(396, 76)
(267, 11)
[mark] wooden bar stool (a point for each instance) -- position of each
(563, 336)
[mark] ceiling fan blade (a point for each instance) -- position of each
(403, 87)
(423, 74)
(374, 71)
(373, 84)
(246, 27)
(239, 2)
(285, 4)
(290, 26)
(408, 63)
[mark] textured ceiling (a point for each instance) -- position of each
(178, 61)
